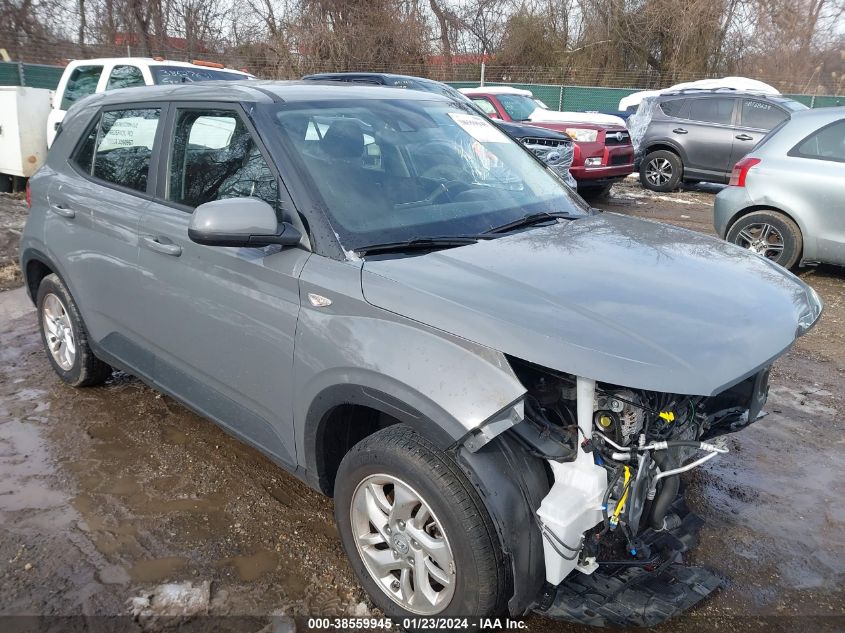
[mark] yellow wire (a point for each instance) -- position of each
(621, 503)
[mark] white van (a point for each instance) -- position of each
(83, 77)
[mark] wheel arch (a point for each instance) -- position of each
(35, 265)
(343, 414)
(667, 146)
(768, 207)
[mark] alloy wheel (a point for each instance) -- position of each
(761, 238)
(402, 544)
(58, 332)
(658, 171)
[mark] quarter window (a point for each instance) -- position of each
(826, 144)
(214, 157)
(712, 110)
(125, 77)
(673, 108)
(81, 83)
(118, 148)
(761, 115)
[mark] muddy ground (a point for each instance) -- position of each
(107, 493)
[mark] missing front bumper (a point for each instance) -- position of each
(625, 596)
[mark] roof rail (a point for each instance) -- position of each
(684, 91)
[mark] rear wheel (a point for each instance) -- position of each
(65, 338)
(418, 536)
(661, 170)
(770, 234)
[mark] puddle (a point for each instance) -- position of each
(157, 570)
(253, 566)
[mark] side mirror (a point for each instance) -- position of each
(240, 222)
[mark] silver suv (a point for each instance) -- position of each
(401, 305)
(695, 135)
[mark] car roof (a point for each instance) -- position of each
(352, 73)
(498, 90)
(258, 91)
(820, 115)
(150, 61)
(719, 92)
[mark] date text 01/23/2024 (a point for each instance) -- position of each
(481, 624)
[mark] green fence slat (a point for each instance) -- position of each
(40, 76)
(9, 75)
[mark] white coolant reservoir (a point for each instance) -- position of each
(573, 505)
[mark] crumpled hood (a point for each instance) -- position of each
(609, 297)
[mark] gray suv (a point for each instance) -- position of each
(695, 135)
(399, 304)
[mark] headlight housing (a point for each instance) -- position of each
(812, 312)
(583, 135)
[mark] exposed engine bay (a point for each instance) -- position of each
(616, 455)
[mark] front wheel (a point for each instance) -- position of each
(770, 234)
(661, 170)
(417, 534)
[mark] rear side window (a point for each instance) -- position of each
(486, 106)
(760, 115)
(214, 157)
(673, 108)
(827, 143)
(125, 77)
(119, 146)
(81, 83)
(712, 110)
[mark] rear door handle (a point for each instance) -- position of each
(62, 210)
(679, 130)
(154, 244)
(744, 137)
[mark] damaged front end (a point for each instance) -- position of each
(613, 525)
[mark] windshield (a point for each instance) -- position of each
(396, 170)
(183, 74)
(519, 108)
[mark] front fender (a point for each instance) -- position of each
(443, 385)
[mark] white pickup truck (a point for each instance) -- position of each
(30, 117)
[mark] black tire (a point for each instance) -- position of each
(661, 170)
(784, 233)
(86, 370)
(594, 193)
(480, 574)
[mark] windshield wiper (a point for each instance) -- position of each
(421, 243)
(530, 220)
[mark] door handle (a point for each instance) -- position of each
(679, 130)
(62, 210)
(154, 244)
(744, 137)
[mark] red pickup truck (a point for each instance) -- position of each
(603, 150)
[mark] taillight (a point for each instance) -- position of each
(740, 171)
(28, 195)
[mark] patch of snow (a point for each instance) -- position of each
(552, 116)
(498, 90)
(737, 83)
(180, 600)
